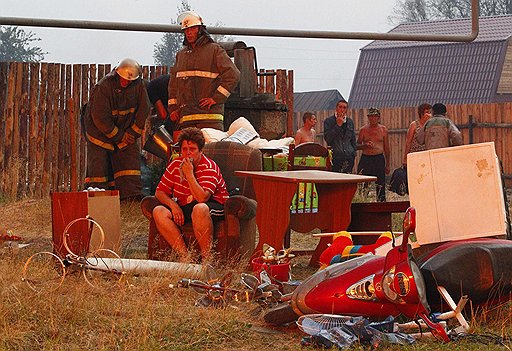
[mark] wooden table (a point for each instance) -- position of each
(274, 193)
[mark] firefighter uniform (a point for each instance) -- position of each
(204, 71)
(111, 112)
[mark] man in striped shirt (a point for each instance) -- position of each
(192, 189)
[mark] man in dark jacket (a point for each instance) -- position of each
(340, 135)
(202, 78)
(158, 89)
(114, 120)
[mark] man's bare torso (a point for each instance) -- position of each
(373, 136)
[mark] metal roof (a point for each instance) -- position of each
(492, 28)
(391, 73)
(316, 100)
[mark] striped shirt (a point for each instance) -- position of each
(207, 174)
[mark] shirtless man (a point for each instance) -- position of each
(373, 140)
(306, 133)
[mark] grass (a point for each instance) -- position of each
(144, 313)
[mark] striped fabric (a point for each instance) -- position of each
(207, 174)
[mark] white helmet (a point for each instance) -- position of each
(189, 19)
(128, 68)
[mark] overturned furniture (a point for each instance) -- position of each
(235, 235)
(458, 193)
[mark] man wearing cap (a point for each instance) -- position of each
(202, 78)
(373, 141)
(114, 119)
(439, 131)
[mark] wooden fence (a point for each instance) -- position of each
(43, 149)
(478, 123)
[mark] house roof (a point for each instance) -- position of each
(492, 28)
(395, 73)
(316, 100)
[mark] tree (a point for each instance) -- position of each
(406, 11)
(15, 45)
(164, 52)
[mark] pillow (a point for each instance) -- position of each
(281, 142)
(240, 122)
(257, 143)
(211, 135)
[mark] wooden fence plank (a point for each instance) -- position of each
(57, 107)
(4, 69)
(23, 130)
(152, 72)
(48, 132)
(101, 72)
(261, 82)
(70, 107)
(38, 186)
(10, 168)
(33, 121)
(84, 98)
(269, 83)
(74, 135)
(16, 163)
(289, 104)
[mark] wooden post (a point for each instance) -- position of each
(67, 130)
(281, 86)
(57, 146)
(101, 71)
(269, 82)
(15, 163)
(77, 99)
(9, 125)
(48, 132)
(24, 120)
(152, 72)
(72, 144)
(244, 61)
(33, 121)
(471, 126)
(261, 82)
(38, 186)
(4, 69)
(93, 72)
(158, 71)
(289, 105)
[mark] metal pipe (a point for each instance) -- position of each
(142, 27)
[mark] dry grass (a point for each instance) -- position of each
(143, 313)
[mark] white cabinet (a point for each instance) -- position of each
(457, 193)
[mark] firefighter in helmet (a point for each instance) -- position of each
(114, 119)
(202, 78)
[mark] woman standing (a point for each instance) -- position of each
(411, 144)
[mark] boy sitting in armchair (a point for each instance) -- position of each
(192, 189)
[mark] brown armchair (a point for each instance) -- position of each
(235, 235)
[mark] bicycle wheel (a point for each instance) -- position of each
(44, 272)
(103, 265)
(78, 244)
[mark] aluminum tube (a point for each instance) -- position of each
(136, 266)
(142, 27)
